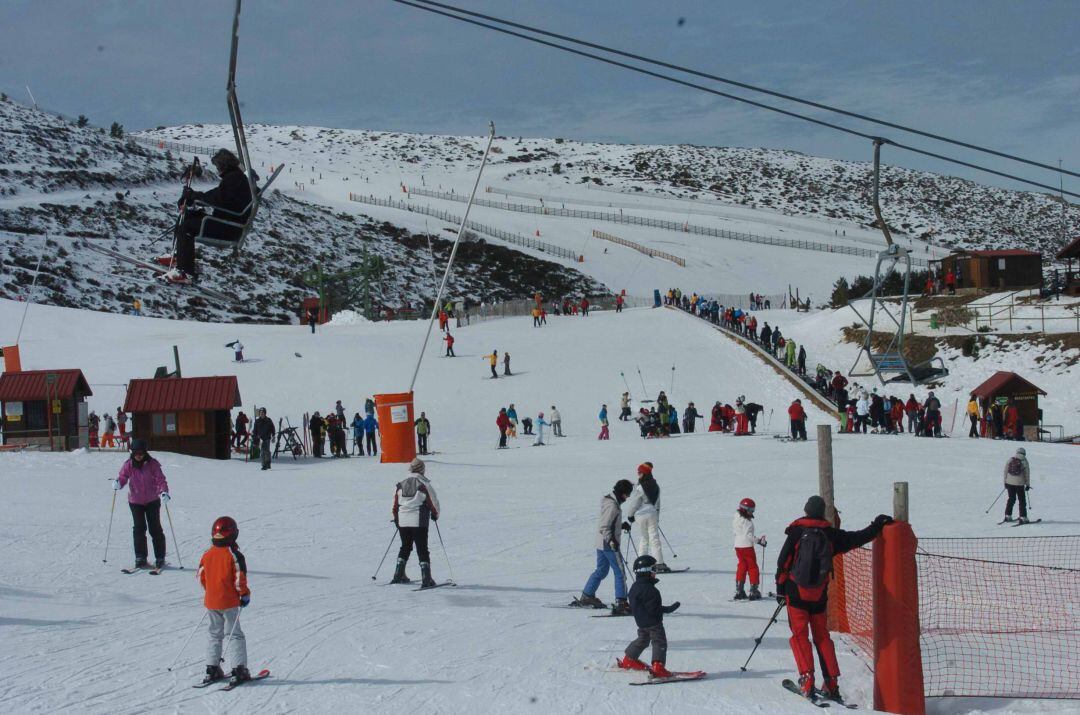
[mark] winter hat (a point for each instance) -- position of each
(815, 507)
(416, 466)
(645, 468)
(1022, 452)
(623, 488)
(138, 445)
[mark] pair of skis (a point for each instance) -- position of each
(1015, 524)
(264, 673)
(817, 697)
(159, 270)
(152, 570)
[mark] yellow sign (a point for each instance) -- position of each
(56, 407)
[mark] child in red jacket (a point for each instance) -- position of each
(223, 575)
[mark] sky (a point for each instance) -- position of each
(1000, 74)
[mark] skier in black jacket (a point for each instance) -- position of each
(263, 431)
(230, 201)
(648, 608)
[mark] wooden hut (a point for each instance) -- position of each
(1019, 392)
(1072, 277)
(44, 407)
(187, 415)
(994, 270)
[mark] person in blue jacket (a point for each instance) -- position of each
(371, 425)
(358, 433)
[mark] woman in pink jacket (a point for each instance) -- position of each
(147, 489)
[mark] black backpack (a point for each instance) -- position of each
(813, 559)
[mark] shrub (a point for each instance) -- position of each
(82, 121)
(116, 131)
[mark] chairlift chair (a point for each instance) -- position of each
(225, 217)
(891, 365)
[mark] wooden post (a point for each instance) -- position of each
(900, 501)
(825, 470)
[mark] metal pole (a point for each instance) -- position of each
(108, 534)
(672, 390)
(995, 501)
(225, 650)
(825, 471)
(453, 254)
(672, 548)
(900, 501)
(176, 546)
(190, 635)
(33, 285)
(643, 390)
(384, 554)
(445, 555)
(757, 641)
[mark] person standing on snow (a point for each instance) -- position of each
(604, 434)
(753, 409)
(449, 344)
(801, 360)
(121, 422)
(506, 364)
(624, 407)
(973, 415)
(797, 415)
(644, 506)
(415, 503)
(240, 431)
(742, 422)
(340, 410)
(802, 584)
(862, 412)
(648, 608)
(493, 360)
(423, 429)
(238, 351)
(316, 426)
(540, 424)
(371, 426)
(745, 541)
(369, 406)
(556, 422)
(690, 418)
(607, 551)
(223, 576)
(148, 490)
(263, 431)
(1018, 483)
(110, 430)
(502, 421)
(358, 433)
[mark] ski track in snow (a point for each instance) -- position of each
(518, 526)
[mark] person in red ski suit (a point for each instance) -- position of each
(716, 424)
(802, 584)
(503, 423)
(797, 415)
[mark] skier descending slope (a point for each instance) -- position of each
(649, 609)
(415, 503)
(802, 583)
(743, 528)
(644, 505)
(147, 489)
(607, 551)
(223, 575)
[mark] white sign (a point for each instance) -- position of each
(14, 411)
(399, 413)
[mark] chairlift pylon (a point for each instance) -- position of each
(891, 364)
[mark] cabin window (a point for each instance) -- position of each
(35, 414)
(164, 423)
(192, 424)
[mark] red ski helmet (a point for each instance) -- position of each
(748, 505)
(224, 530)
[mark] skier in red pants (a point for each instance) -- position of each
(802, 583)
(745, 540)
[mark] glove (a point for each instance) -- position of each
(781, 598)
(164, 496)
(626, 526)
(631, 520)
(1027, 487)
(761, 541)
(116, 485)
(244, 601)
(674, 607)
(881, 520)
(613, 545)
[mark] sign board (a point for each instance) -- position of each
(51, 378)
(399, 413)
(14, 411)
(9, 359)
(57, 408)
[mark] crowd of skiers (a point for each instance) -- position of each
(108, 432)
(662, 419)
(331, 429)
(507, 422)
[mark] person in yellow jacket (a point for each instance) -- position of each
(536, 316)
(493, 360)
(973, 415)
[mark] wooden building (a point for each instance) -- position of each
(1019, 392)
(1072, 276)
(44, 407)
(994, 270)
(187, 415)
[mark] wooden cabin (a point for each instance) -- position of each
(44, 407)
(994, 270)
(186, 415)
(1019, 392)
(1072, 276)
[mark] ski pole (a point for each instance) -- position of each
(108, 534)
(757, 641)
(445, 555)
(673, 554)
(235, 625)
(672, 380)
(623, 376)
(994, 502)
(767, 426)
(190, 635)
(643, 390)
(176, 546)
(630, 539)
(385, 554)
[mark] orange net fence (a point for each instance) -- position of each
(998, 617)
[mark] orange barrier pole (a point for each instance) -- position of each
(395, 415)
(898, 675)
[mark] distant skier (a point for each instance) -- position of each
(240, 431)
(512, 415)
(263, 431)
(506, 364)
(802, 582)
(690, 418)
(449, 344)
(556, 422)
(423, 430)
(317, 427)
(624, 407)
(223, 575)
(604, 434)
(238, 351)
(371, 426)
(493, 360)
(541, 423)
(742, 420)
(745, 541)
(502, 421)
(415, 503)
(312, 320)
(107, 435)
(357, 425)
(607, 551)
(147, 491)
(121, 422)
(797, 415)
(526, 425)
(644, 506)
(1018, 483)
(648, 608)
(339, 409)
(752, 411)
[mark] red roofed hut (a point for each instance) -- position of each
(187, 415)
(1072, 277)
(43, 407)
(1019, 392)
(995, 270)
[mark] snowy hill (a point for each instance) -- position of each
(518, 526)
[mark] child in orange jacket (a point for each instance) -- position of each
(223, 575)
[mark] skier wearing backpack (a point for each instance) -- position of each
(1017, 482)
(607, 551)
(802, 583)
(415, 503)
(745, 541)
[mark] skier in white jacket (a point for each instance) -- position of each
(745, 541)
(415, 503)
(540, 424)
(644, 507)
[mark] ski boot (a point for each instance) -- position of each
(425, 576)
(142, 564)
(165, 260)
(806, 685)
(621, 607)
(659, 671)
(213, 674)
(628, 663)
(176, 276)
(399, 573)
(831, 691)
(159, 563)
(240, 674)
(663, 568)
(1022, 520)
(740, 591)
(1007, 519)
(589, 602)
(755, 594)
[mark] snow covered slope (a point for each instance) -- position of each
(518, 526)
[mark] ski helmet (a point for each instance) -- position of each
(747, 505)
(645, 564)
(622, 488)
(644, 468)
(224, 530)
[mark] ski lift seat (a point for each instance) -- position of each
(889, 362)
(239, 219)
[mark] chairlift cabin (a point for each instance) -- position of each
(890, 364)
(240, 221)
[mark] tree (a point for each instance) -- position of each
(82, 121)
(839, 297)
(116, 131)
(556, 168)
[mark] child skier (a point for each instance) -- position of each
(743, 528)
(648, 609)
(223, 575)
(541, 423)
(604, 434)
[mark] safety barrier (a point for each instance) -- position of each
(638, 247)
(166, 144)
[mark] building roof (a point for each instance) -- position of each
(1070, 251)
(175, 394)
(1004, 253)
(1002, 380)
(32, 385)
